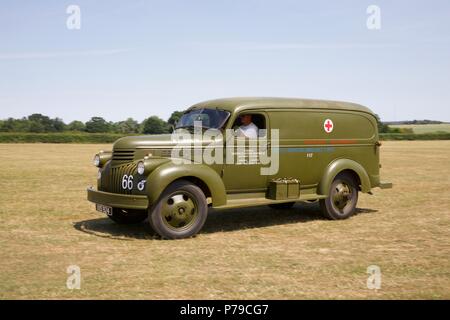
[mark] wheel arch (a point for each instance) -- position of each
(344, 165)
(201, 175)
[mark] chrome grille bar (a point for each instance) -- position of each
(112, 182)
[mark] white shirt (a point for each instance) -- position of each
(248, 131)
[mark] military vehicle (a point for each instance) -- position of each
(326, 151)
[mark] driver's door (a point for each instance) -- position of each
(241, 175)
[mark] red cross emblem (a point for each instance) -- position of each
(328, 126)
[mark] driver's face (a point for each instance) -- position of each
(246, 119)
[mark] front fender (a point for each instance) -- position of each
(165, 174)
(340, 165)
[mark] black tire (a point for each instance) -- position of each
(180, 212)
(125, 216)
(342, 199)
(282, 206)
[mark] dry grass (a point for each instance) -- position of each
(46, 225)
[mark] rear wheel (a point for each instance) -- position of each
(180, 212)
(342, 199)
(126, 216)
(284, 205)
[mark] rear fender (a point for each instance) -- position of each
(338, 166)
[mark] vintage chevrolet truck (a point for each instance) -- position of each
(305, 150)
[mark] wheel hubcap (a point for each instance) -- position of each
(179, 211)
(342, 194)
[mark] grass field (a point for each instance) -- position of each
(46, 224)
(424, 128)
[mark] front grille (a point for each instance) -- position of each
(112, 182)
(123, 155)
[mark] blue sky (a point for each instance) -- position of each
(140, 58)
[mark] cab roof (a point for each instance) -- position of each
(239, 104)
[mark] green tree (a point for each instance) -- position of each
(40, 123)
(58, 125)
(36, 126)
(76, 126)
(174, 117)
(9, 125)
(128, 126)
(16, 125)
(113, 127)
(382, 127)
(97, 124)
(155, 125)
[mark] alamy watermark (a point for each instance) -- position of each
(73, 21)
(374, 19)
(207, 146)
(74, 279)
(374, 278)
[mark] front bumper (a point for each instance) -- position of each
(116, 200)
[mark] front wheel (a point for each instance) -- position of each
(342, 199)
(180, 212)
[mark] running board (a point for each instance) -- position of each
(242, 200)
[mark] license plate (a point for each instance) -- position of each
(104, 209)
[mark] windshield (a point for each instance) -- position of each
(210, 118)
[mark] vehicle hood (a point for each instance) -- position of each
(158, 141)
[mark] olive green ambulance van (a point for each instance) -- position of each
(266, 151)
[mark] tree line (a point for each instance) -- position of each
(383, 127)
(39, 123)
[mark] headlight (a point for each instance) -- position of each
(141, 168)
(101, 158)
(97, 160)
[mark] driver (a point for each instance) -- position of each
(247, 129)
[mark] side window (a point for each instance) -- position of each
(247, 122)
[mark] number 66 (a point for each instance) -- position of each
(127, 182)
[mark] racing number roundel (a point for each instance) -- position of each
(328, 126)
